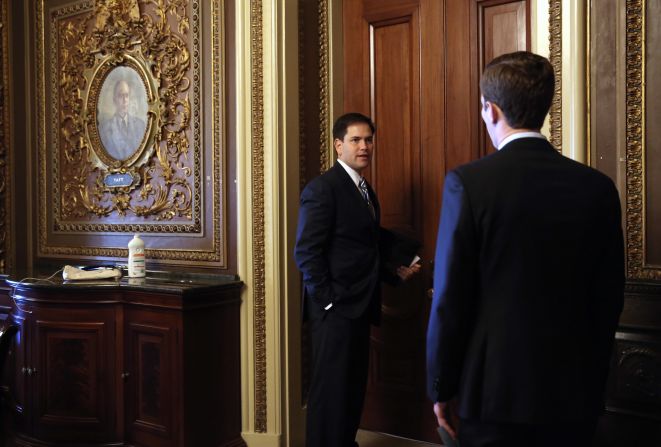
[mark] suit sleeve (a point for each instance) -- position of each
(313, 236)
(452, 312)
(607, 297)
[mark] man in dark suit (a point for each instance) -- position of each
(337, 250)
(528, 279)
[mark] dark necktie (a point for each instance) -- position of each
(366, 195)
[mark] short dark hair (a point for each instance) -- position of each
(343, 122)
(521, 84)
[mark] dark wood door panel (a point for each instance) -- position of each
(150, 380)
(70, 373)
(396, 89)
(502, 28)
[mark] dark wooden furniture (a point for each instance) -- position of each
(146, 362)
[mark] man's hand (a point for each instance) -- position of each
(405, 273)
(445, 418)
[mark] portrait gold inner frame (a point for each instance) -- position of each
(97, 78)
(163, 46)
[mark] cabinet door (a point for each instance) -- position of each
(152, 379)
(72, 377)
(18, 363)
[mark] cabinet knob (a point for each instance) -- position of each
(24, 370)
(125, 375)
(29, 371)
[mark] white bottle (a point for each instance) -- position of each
(136, 257)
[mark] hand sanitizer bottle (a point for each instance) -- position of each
(136, 257)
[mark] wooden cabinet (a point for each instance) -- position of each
(153, 364)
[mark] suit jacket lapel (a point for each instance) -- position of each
(352, 191)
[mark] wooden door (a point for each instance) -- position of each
(413, 66)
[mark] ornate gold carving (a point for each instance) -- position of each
(258, 251)
(324, 86)
(149, 46)
(168, 196)
(635, 143)
(555, 56)
(5, 144)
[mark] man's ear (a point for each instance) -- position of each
(337, 144)
(492, 112)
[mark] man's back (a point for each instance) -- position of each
(548, 249)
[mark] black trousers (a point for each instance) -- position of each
(474, 433)
(340, 353)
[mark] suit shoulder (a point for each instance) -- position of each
(589, 173)
(329, 178)
(323, 183)
(485, 162)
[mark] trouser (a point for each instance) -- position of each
(340, 357)
(475, 433)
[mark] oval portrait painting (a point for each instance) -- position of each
(122, 112)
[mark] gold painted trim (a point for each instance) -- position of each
(324, 87)
(258, 249)
(555, 56)
(41, 128)
(5, 145)
(635, 143)
(218, 131)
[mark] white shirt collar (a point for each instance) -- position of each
(516, 136)
(355, 176)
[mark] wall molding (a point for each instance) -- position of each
(555, 57)
(325, 160)
(258, 247)
(635, 143)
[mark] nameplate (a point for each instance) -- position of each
(118, 180)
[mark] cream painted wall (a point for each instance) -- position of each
(574, 63)
(278, 123)
(574, 99)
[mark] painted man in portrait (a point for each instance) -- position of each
(122, 133)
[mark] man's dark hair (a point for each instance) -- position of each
(343, 122)
(522, 85)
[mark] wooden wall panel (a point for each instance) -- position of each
(652, 138)
(6, 238)
(503, 28)
(623, 80)
(604, 80)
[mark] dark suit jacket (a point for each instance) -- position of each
(528, 287)
(337, 246)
